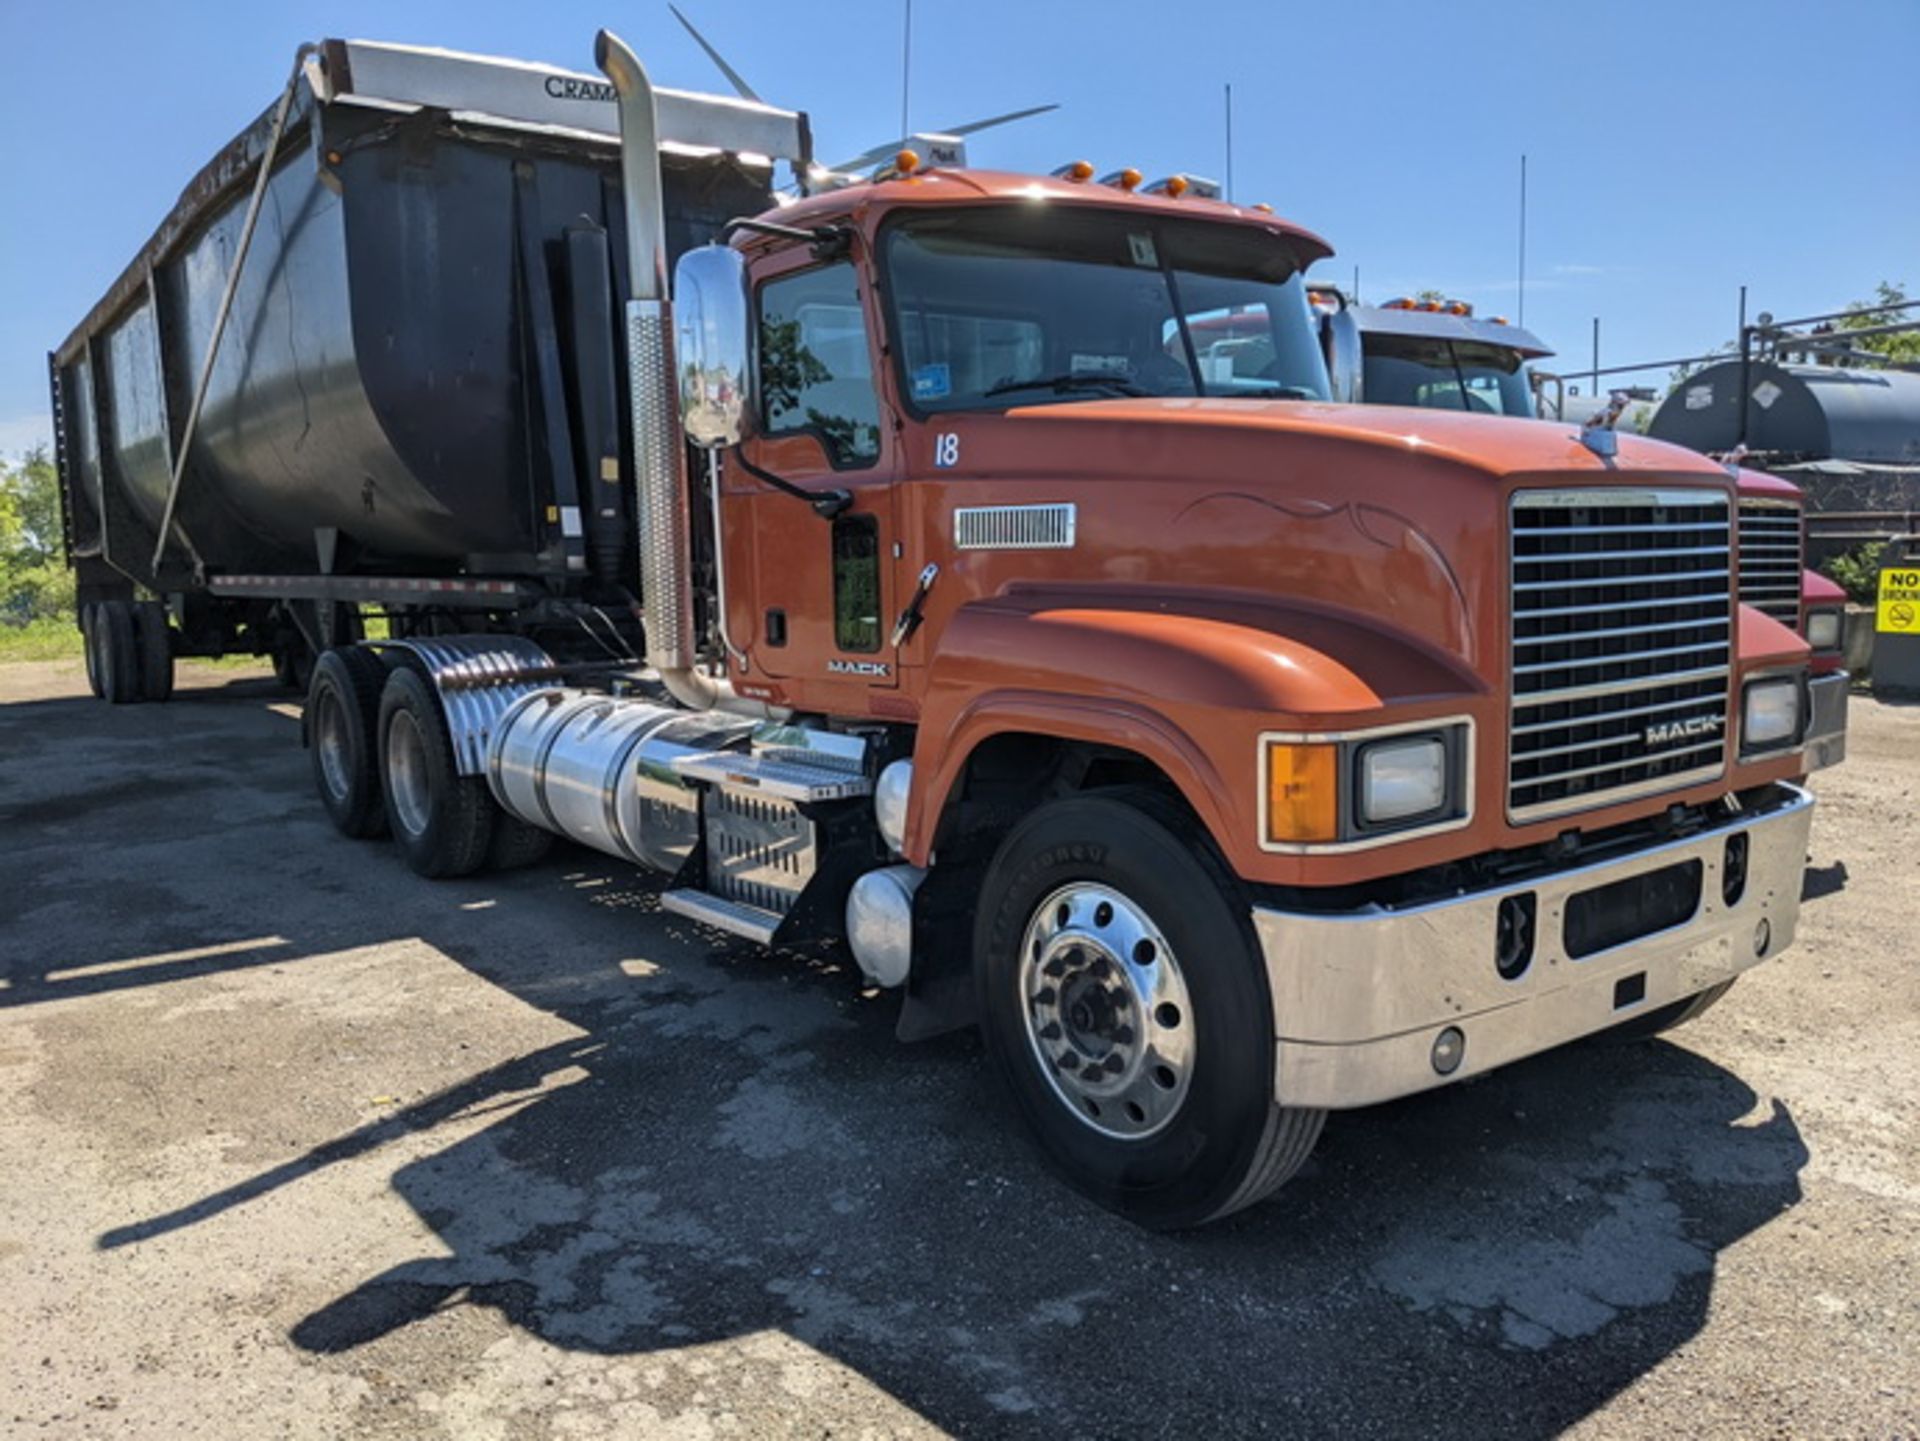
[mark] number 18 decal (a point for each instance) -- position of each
(946, 449)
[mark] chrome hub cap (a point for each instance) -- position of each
(407, 773)
(330, 742)
(1106, 1011)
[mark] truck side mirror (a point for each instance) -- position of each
(1341, 334)
(713, 346)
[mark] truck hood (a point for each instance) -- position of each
(1493, 444)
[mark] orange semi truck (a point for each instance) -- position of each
(1228, 755)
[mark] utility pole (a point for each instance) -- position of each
(1596, 355)
(1521, 310)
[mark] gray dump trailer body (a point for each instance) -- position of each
(422, 371)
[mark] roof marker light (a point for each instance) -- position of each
(1264, 208)
(906, 162)
(1078, 170)
(1127, 180)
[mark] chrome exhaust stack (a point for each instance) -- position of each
(659, 453)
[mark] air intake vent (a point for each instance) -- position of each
(1770, 562)
(1014, 527)
(1621, 646)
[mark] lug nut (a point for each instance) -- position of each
(1123, 1035)
(1069, 1062)
(1050, 1031)
(1100, 970)
(1113, 1063)
(1056, 968)
(1045, 996)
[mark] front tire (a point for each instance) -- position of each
(442, 820)
(1126, 1006)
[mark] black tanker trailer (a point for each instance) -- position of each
(410, 271)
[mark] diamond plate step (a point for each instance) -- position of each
(733, 917)
(788, 779)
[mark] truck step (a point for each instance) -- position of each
(736, 918)
(783, 777)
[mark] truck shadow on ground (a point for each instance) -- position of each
(734, 1143)
(745, 1148)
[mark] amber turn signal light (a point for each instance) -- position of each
(1302, 792)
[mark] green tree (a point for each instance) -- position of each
(1862, 314)
(34, 580)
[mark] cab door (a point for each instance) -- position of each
(807, 597)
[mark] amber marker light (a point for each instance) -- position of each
(1264, 208)
(1177, 186)
(1080, 170)
(906, 162)
(1129, 179)
(1303, 792)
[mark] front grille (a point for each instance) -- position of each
(1621, 645)
(1770, 560)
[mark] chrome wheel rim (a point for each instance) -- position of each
(1106, 1011)
(407, 773)
(330, 744)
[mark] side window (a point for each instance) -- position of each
(816, 373)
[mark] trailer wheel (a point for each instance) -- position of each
(1665, 1018)
(118, 660)
(442, 819)
(1126, 1005)
(343, 727)
(153, 641)
(90, 646)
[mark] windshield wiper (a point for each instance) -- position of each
(1061, 384)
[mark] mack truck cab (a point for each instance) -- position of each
(1438, 354)
(1236, 755)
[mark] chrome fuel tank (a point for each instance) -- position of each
(598, 769)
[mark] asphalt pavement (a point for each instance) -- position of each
(298, 1144)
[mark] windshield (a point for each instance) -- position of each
(1446, 375)
(1034, 304)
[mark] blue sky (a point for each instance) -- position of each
(1676, 150)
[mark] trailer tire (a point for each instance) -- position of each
(342, 723)
(153, 640)
(1665, 1018)
(1124, 887)
(442, 819)
(118, 659)
(516, 844)
(89, 645)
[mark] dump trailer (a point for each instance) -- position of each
(1437, 354)
(1227, 755)
(407, 276)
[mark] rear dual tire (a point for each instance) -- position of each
(129, 651)
(383, 762)
(1125, 1003)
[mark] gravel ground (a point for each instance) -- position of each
(298, 1144)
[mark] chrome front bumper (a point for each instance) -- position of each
(1360, 997)
(1826, 743)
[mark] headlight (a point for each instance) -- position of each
(1402, 779)
(1364, 788)
(1823, 629)
(1770, 714)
